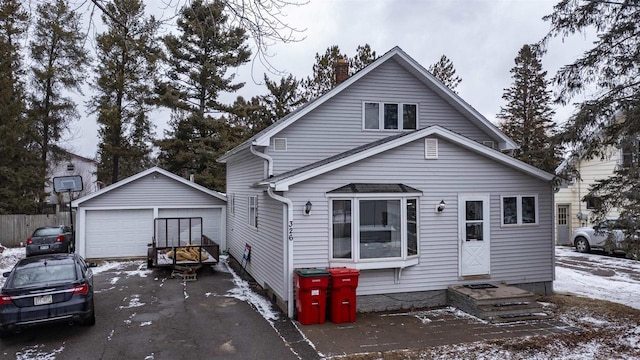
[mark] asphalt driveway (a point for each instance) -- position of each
(144, 314)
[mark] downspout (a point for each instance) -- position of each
(288, 240)
(265, 157)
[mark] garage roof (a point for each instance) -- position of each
(143, 174)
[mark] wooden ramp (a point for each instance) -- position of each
(496, 303)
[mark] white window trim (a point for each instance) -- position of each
(381, 115)
(252, 204)
(380, 263)
(519, 210)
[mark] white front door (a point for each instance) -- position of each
(473, 220)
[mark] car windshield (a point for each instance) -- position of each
(42, 273)
(47, 231)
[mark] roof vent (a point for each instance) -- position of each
(431, 148)
(279, 144)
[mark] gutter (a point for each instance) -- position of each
(288, 246)
(265, 157)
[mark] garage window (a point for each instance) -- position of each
(253, 211)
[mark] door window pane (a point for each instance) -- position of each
(341, 229)
(474, 231)
(408, 117)
(390, 116)
(371, 116)
(380, 231)
(474, 210)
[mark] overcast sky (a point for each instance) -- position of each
(481, 37)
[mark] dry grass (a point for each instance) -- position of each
(608, 330)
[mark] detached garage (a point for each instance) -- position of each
(117, 221)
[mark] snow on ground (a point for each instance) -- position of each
(620, 287)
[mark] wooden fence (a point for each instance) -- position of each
(15, 229)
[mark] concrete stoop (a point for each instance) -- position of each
(496, 303)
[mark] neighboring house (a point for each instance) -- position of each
(391, 173)
(573, 210)
(65, 163)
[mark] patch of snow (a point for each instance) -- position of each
(221, 265)
(243, 292)
(133, 302)
(594, 321)
(149, 357)
(110, 335)
(36, 352)
(114, 280)
(146, 323)
(620, 288)
(8, 258)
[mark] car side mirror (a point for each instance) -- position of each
(6, 274)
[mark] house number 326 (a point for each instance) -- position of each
(290, 230)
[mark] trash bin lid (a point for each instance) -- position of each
(343, 271)
(312, 272)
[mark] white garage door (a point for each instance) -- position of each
(118, 233)
(211, 220)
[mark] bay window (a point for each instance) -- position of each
(375, 232)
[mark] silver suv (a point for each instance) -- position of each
(587, 238)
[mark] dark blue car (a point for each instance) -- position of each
(47, 288)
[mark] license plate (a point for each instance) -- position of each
(44, 247)
(42, 300)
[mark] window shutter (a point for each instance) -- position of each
(430, 148)
(280, 144)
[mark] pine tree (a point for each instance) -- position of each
(444, 71)
(528, 116)
(608, 74)
(127, 55)
(198, 59)
(324, 71)
(283, 97)
(59, 62)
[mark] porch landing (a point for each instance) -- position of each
(496, 303)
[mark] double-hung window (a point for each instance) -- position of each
(253, 211)
(519, 210)
(375, 232)
(389, 116)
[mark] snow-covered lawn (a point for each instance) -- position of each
(609, 330)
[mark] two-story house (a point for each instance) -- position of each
(65, 163)
(391, 173)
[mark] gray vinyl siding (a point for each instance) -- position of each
(145, 192)
(518, 255)
(267, 253)
(336, 126)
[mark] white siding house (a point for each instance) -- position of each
(64, 163)
(572, 211)
(390, 173)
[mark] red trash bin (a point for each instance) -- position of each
(344, 282)
(311, 295)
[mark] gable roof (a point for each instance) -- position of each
(263, 138)
(142, 174)
(283, 181)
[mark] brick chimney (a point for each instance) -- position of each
(342, 70)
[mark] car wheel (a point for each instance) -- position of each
(582, 245)
(91, 319)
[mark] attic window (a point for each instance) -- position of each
(389, 116)
(490, 144)
(279, 144)
(430, 148)
(71, 167)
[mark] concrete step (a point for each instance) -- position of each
(496, 303)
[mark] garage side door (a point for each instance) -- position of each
(211, 220)
(118, 233)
